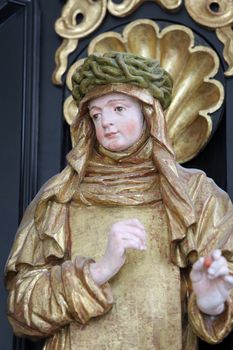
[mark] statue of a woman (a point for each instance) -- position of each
(123, 211)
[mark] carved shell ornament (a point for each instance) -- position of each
(196, 95)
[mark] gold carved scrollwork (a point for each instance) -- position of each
(225, 35)
(195, 95)
(80, 18)
(128, 6)
(61, 58)
(218, 15)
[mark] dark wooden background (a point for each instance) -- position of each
(33, 135)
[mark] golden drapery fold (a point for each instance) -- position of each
(45, 299)
(200, 219)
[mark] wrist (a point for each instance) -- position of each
(96, 272)
(100, 272)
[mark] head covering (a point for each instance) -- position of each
(122, 68)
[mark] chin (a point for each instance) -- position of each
(115, 147)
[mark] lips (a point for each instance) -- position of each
(111, 134)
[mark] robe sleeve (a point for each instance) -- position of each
(47, 291)
(42, 300)
(214, 230)
(211, 329)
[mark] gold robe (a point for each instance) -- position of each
(51, 293)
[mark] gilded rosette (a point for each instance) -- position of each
(195, 95)
(209, 13)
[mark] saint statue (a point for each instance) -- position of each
(124, 249)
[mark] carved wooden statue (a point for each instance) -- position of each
(103, 255)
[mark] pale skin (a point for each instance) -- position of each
(118, 122)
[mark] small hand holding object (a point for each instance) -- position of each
(212, 283)
(122, 236)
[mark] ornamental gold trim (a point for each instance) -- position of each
(80, 18)
(128, 6)
(196, 95)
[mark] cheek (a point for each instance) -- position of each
(99, 133)
(131, 129)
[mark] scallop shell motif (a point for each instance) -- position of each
(195, 94)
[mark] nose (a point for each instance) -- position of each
(107, 119)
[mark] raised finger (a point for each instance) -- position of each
(218, 272)
(137, 231)
(216, 265)
(135, 234)
(216, 254)
(132, 243)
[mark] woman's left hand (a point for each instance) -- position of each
(212, 283)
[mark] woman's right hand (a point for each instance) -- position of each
(123, 235)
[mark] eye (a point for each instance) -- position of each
(119, 109)
(96, 116)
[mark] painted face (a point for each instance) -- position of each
(118, 120)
